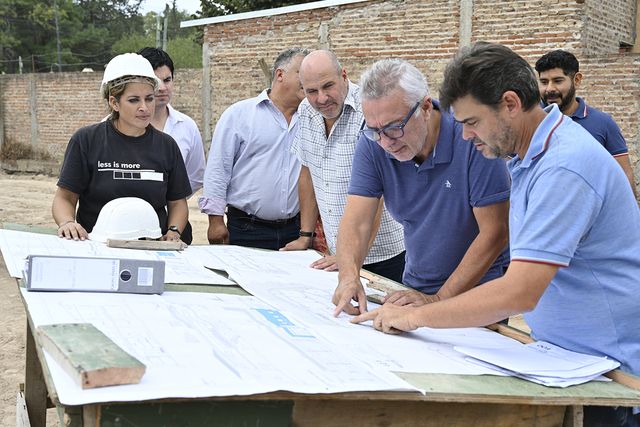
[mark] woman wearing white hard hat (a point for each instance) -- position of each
(123, 156)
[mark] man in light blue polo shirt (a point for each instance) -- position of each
(449, 199)
(560, 75)
(574, 228)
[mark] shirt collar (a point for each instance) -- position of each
(582, 110)
(264, 96)
(173, 117)
(540, 141)
(353, 98)
(443, 151)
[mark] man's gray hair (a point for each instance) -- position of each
(285, 57)
(388, 75)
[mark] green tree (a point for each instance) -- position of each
(87, 29)
(90, 32)
(8, 41)
(184, 52)
(133, 43)
(226, 7)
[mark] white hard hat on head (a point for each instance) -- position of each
(127, 64)
(126, 218)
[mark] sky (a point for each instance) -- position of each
(157, 6)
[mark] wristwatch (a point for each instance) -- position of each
(175, 230)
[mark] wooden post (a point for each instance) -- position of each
(636, 44)
(1, 113)
(266, 71)
(207, 113)
(35, 390)
(466, 20)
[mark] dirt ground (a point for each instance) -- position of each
(26, 199)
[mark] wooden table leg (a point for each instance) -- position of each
(573, 416)
(35, 390)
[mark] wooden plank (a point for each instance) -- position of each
(573, 416)
(380, 283)
(152, 245)
(508, 390)
(422, 414)
(240, 413)
(89, 356)
(22, 415)
(624, 378)
(511, 332)
(29, 228)
(35, 390)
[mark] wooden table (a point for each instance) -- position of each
(451, 400)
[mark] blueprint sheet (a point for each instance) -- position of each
(203, 344)
(284, 280)
(16, 245)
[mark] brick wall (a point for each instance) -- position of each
(612, 84)
(427, 33)
(607, 23)
(46, 109)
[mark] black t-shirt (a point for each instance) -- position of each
(101, 164)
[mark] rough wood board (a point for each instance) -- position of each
(22, 416)
(89, 356)
(380, 283)
(495, 389)
(423, 414)
(152, 245)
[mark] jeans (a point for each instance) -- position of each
(610, 416)
(391, 268)
(255, 233)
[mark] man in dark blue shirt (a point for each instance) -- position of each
(560, 75)
(451, 201)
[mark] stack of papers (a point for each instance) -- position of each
(542, 363)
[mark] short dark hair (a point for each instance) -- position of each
(157, 57)
(486, 71)
(562, 59)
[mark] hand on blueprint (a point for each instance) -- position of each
(390, 319)
(300, 244)
(347, 291)
(410, 297)
(72, 230)
(327, 263)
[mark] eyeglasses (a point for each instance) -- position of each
(390, 131)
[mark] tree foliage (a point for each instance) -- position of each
(226, 7)
(90, 33)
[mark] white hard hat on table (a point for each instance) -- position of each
(126, 218)
(127, 64)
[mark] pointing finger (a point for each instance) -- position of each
(367, 315)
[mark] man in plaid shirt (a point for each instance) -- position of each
(329, 120)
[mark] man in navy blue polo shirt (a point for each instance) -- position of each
(450, 200)
(560, 75)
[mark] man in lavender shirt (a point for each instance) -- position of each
(251, 171)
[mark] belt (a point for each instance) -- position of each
(252, 218)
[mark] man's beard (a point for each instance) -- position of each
(502, 146)
(565, 101)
